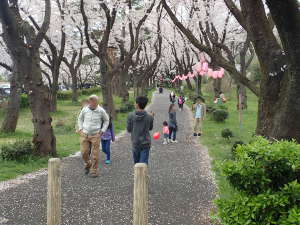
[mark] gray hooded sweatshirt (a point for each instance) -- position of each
(139, 124)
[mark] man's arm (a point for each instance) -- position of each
(129, 124)
(151, 123)
(80, 120)
(105, 119)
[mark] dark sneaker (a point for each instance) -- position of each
(195, 135)
(94, 175)
(199, 134)
(86, 171)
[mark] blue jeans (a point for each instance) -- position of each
(106, 148)
(172, 134)
(141, 155)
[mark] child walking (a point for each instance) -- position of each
(166, 132)
(106, 138)
(199, 109)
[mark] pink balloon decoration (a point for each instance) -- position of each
(215, 74)
(198, 67)
(205, 67)
(202, 73)
(210, 73)
(221, 73)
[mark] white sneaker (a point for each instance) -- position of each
(165, 142)
(174, 141)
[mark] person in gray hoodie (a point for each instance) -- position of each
(139, 125)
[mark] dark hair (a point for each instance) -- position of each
(165, 123)
(200, 98)
(141, 101)
(110, 123)
(171, 107)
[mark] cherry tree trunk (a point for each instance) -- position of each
(74, 86)
(10, 122)
(124, 90)
(189, 84)
(217, 84)
(53, 94)
(242, 97)
(279, 102)
(43, 135)
(108, 100)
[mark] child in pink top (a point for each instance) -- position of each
(166, 132)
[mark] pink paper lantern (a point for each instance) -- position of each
(221, 73)
(202, 73)
(205, 67)
(198, 67)
(215, 74)
(210, 73)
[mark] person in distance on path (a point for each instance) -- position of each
(199, 109)
(172, 124)
(92, 123)
(106, 139)
(139, 125)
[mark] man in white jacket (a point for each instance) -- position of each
(92, 122)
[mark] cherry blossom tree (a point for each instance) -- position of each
(23, 45)
(100, 37)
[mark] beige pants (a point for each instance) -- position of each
(198, 126)
(89, 146)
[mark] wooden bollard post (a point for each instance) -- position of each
(54, 192)
(140, 201)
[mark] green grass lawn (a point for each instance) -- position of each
(64, 127)
(219, 148)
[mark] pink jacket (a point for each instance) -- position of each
(166, 130)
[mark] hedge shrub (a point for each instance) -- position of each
(227, 133)
(266, 177)
(20, 150)
(220, 115)
(24, 103)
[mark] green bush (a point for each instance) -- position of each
(128, 107)
(90, 91)
(220, 115)
(227, 133)
(64, 95)
(235, 146)
(24, 101)
(274, 208)
(261, 166)
(266, 176)
(20, 150)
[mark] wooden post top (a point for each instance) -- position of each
(139, 165)
(54, 160)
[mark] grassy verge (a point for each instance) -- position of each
(219, 148)
(64, 121)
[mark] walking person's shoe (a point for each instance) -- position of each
(86, 170)
(199, 134)
(174, 141)
(94, 175)
(195, 135)
(107, 162)
(165, 141)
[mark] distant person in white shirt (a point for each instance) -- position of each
(92, 123)
(199, 109)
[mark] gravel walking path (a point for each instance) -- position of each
(181, 184)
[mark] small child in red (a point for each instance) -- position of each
(166, 132)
